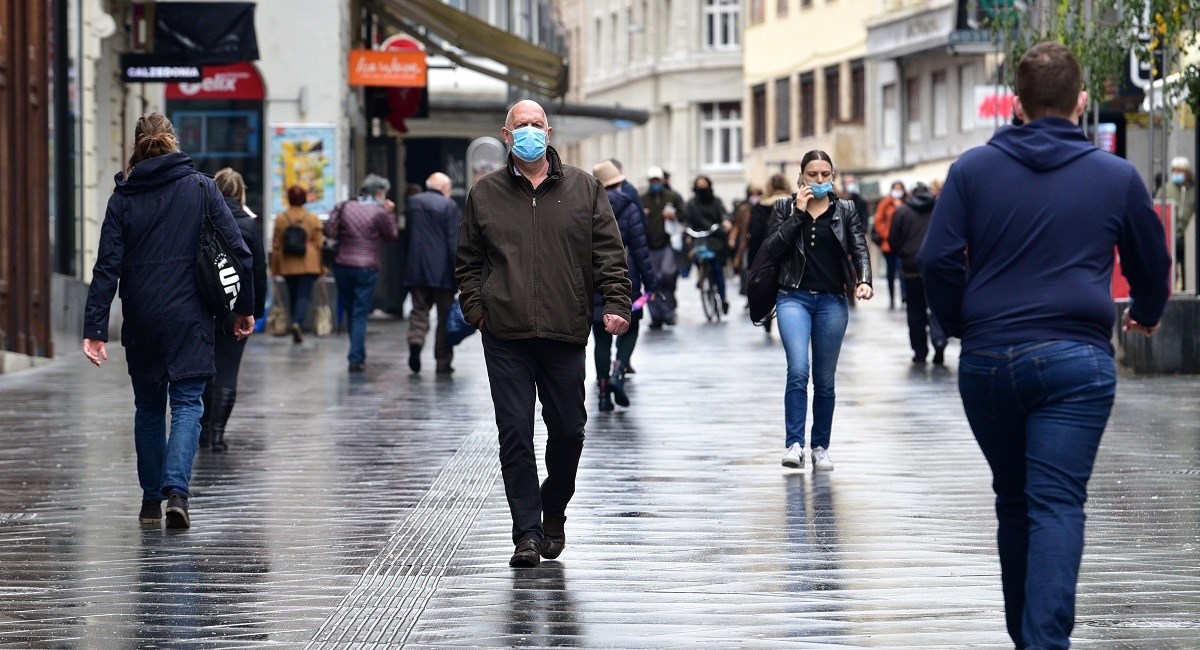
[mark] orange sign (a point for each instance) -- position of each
(387, 68)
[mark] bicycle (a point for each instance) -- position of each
(705, 259)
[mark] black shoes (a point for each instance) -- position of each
(605, 399)
(556, 536)
(616, 385)
(222, 403)
(414, 357)
(297, 334)
(724, 306)
(444, 369)
(356, 367)
(177, 511)
(528, 553)
(151, 512)
(939, 355)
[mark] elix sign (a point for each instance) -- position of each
(387, 68)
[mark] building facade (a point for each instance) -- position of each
(679, 61)
(805, 85)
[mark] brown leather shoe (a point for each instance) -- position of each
(528, 553)
(556, 536)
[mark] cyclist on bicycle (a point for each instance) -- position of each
(704, 211)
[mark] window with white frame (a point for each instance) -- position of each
(891, 116)
(966, 98)
(721, 135)
(941, 104)
(721, 24)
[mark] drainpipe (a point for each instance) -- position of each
(902, 101)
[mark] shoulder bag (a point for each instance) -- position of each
(329, 246)
(218, 270)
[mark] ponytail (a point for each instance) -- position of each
(153, 136)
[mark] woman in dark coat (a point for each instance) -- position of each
(632, 224)
(148, 242)
(221, 392)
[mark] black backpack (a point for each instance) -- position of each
(295, 240)
(218, 269)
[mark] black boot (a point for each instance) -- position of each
(222, 406)
(205, 428)
(616, 384)
(605, 399)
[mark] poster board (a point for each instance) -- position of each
(304, 155)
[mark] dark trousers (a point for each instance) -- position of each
(553, 371)
(602, 352)
(424, 299)
(227, 353)
(923, 328)
(300, 294)
(1038, 411)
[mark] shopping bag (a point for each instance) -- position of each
(323, 318)
(457, 327)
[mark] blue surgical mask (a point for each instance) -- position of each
(529, 143)
(1177, 178)
(656, 187)
(820, 189)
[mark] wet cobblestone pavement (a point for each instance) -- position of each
(367, 511)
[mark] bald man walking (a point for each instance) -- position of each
(538, 242)
(433, 219)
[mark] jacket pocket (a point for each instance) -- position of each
(580, 291)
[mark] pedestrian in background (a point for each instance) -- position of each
(778, 187)
(538, 239)
(432, 221)
(849, 191)
(631, 223)
(739, 235)
(296, 256)
(907, 233)
(360, 225)
(148, 244)
(1018, 264)
(1180, 188)
(663, 208)
(704, 211)
(879, 234)
(221, 392)
(822, 256)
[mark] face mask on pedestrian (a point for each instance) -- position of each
(529, 143)
(655, 188)
(704, 193)
(753, 200)
(897, 194)
(819, 190)
(852, 188)
(1177, 178)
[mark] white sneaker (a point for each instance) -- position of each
(821, 460)
(794, 456)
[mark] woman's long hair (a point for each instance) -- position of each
(153, 136)
(231, 184)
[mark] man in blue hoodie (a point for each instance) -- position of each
(1017, 264)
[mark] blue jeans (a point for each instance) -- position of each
(300, 288)
(1038, 411)
(820, 319)
(718, 271)
(165, 463)
(356, 293)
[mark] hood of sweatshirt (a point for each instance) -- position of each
(153, 173)
(1043, 144)
(920, 200)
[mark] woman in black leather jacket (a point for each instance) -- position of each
(822, 252)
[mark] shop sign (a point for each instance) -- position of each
(392, 68)
(239, 81)
(148, 68)
(993, 106)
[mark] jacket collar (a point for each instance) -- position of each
(551, 156)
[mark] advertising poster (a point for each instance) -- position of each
(304, 155)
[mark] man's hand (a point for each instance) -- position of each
(243, 326)
(94, 350)
(1128, 324)
(615, 325)
(864, 291)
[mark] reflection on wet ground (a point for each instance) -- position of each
(366, 511)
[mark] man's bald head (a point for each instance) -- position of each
(525, 113)
(438, 182)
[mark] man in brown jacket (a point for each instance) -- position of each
(538, 240)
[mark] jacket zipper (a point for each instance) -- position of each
(537, 267)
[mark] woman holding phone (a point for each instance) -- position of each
(822, 256)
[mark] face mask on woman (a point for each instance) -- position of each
(753, 200)
(529, 143)
(819, 190)
(1177, 178)
(897, 194)
(704, 193)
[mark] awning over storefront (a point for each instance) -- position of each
(435, 24)
(461, 117)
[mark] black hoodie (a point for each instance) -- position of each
(909, 225)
